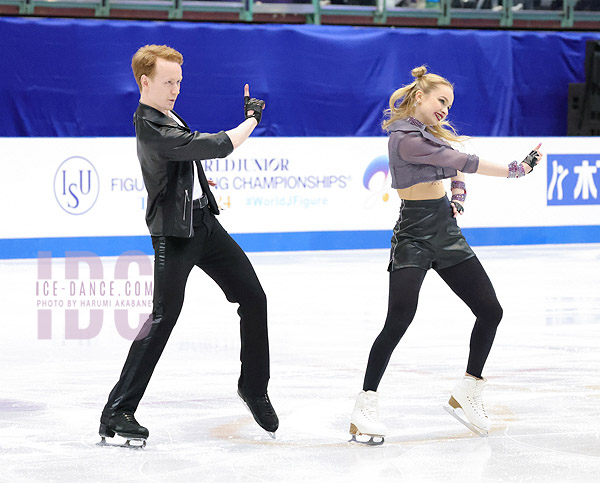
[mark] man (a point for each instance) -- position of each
(185, 233)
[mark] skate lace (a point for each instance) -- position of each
(477, 402)
(370, 410)
(264, 403)
(129, 418)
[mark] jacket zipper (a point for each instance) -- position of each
(185, 200)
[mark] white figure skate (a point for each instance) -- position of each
(365, 420)
(466, 405)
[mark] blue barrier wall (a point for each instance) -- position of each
(66, 77)
(298, 241)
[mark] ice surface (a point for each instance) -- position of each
(325, 309)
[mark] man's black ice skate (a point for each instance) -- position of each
(125, 425)
(262, 411)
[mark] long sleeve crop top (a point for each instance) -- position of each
(416, 156)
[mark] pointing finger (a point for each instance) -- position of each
(246, 90)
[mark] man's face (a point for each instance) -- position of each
(161, 90)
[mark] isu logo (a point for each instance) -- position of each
(76, 185)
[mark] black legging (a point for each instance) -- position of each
(469, 281)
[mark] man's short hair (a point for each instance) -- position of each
(144, 60)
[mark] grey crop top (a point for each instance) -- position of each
(416, 156)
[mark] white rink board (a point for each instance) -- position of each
(266, 185)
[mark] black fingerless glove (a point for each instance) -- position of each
(252, 104)
(459, 208)
(532, 159)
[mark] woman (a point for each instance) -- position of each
(427, 236)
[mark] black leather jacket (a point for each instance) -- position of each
(166, 152)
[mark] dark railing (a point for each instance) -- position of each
(314, 12)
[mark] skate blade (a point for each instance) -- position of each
(478, 431)
(371, 442)
(126, 444)
(374, 439)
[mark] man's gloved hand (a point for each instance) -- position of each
(252, 107)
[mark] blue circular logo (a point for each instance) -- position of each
(76, 185)
(376, 180)
(379, 169)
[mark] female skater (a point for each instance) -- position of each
(427, 236)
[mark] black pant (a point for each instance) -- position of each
(216, 253)
(469, 281)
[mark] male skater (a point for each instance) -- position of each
(185, 233)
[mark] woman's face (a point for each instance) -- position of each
(432, 108)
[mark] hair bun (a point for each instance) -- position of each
(418, 72)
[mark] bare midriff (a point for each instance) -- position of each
(423, 191)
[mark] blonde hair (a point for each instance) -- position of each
(144, 60)
(403, 100)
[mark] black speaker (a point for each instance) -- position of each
(590, 128)
(583, 115)
(592, 62)
(576, 92)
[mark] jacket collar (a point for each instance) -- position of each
(150, 114)
(405, 126)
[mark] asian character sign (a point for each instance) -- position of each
(573, 179)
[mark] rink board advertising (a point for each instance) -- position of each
(88, 194)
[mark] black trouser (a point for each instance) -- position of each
(469, 281)
(216, 253)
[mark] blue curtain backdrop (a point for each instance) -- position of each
(65, 77)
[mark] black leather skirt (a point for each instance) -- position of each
(427, 236)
